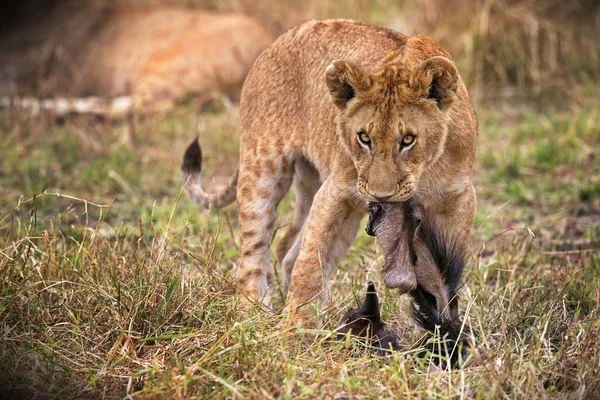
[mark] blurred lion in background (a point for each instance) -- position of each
(107, 49)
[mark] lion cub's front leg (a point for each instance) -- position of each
(330, 230)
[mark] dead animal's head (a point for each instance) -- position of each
(394, 120)
(394, 225)
(365, 322)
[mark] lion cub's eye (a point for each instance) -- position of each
(364, 139)
(407, 141)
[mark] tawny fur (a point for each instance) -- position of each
(379, 82)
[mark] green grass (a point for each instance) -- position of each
(113, 284)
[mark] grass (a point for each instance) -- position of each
(112, 284)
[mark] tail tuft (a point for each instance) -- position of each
(190, 170)
(192, 159)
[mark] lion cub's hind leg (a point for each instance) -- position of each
(306, 185)
(261, 186)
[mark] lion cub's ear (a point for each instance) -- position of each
(343, 80)
(437, 79)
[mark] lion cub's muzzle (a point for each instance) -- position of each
(402, 192)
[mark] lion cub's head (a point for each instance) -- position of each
(394, 120)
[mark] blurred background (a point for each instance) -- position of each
(531, 50)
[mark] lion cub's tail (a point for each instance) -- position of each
(190, 170)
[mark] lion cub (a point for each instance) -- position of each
(345, 112)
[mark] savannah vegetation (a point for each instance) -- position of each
(113, 284)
